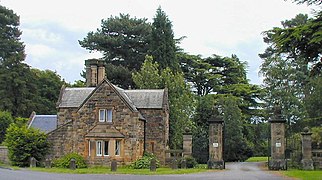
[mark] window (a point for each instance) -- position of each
(102, 148)
(106, 148)
(117, 147)
(109, 115)
(105, 115)
(99, 148)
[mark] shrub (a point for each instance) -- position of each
(64, 161)
(144, 162)
(190, 162)
(24, 143)
(5, 120)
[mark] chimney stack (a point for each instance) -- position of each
(95, 72)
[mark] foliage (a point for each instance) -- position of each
(124, 42)
(294, 145)
(5, 120)
(180, 97)
(203, 112)
(313, 103)
(181, 103)
(19, 121)
(257, 159)
(48, 84)
(144, 162)
(308, 2)
(292, 70)
(316, 137)
(64, 162)
(302, 40)
(163, 44)
(22, 89)
(24, 143)
(236, 146)
(148, 76)
(190, 162)
(78, 83)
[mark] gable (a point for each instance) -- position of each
(118, 91)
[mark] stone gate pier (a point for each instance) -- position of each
(307, 162)
(216, 144)
(277, 161)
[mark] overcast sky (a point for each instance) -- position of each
(51, 29)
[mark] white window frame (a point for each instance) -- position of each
(117, 151)
(109, 115)
(101, 115)
(107, 142)
(105, 115)
(99, 148)
(89, 147)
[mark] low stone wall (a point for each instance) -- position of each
(4, 155)
(317, 158)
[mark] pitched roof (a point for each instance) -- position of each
(74, 97)
(45, 123)
(146, 98)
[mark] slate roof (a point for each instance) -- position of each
(146, 98)
(45, 123)
(74, 97)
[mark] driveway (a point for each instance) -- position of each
(234, 171)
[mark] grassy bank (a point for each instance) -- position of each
(302, 174)
(120, 170)
(257, 159)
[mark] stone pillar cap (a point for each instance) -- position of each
(306, 131)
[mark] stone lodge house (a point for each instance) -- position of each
(102, 122)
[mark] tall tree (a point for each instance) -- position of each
(15, 89)
(163, 44)
(180, 97)
(124, 42)
(48, 85)
(291, 62)
(148, 77)
(236, 146)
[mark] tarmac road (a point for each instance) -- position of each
(234, 171)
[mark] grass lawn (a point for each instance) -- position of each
(302, 174)
(257, 159)
(121, 170)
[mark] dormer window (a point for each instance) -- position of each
(105, 115)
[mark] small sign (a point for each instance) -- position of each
(278, 145)
(215, 145)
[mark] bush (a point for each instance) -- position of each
(64, 161)
(190, 162)
(5, 120)
(24, 143)
(144, 162)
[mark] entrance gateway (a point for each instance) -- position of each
(216, 141)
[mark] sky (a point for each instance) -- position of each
(51, 29)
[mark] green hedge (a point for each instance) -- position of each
(144, 162)
(64, 161)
